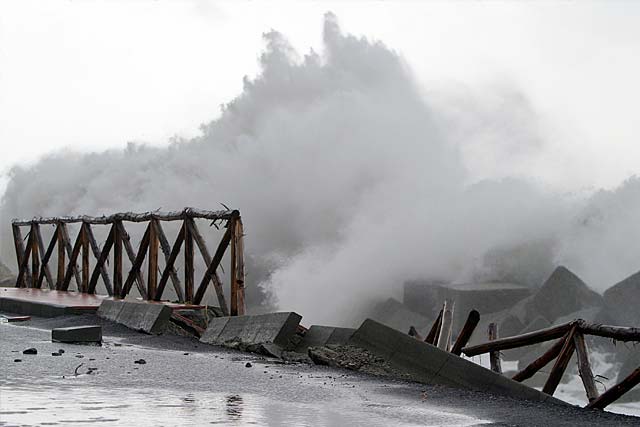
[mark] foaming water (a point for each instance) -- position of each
(61, 406)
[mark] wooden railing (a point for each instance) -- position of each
(33, 260)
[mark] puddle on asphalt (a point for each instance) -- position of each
(63, 405)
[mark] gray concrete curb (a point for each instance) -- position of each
(141, 316)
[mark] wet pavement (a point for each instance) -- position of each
(184, 382)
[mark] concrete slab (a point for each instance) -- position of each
(151, 318)
(428, 364)
(276, 328)
(91, 333)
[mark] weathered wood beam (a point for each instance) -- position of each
(435, 330)
(188, 263)
(67, 245)
(584, 368)
(35, 257)
(494, 356)
(117, 259)
(96, 253)
(61, 256)
(44, 269)
(541, 361)
(215, 262)
(133, 217)
(168, 268)
(616, 391)
(239, 237)
(217, 284)
(44, 259)
(233, 267)
(467, 330)
(530, 338)
(85, 257)
(166, 250)
(618, 333)
(561, 363)
(126, 241)
(154, 245)
(137, 263)
(18, 243)
(101, 259)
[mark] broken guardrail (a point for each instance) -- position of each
(33, 274)
(571, 340)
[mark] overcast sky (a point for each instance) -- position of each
(92, 75)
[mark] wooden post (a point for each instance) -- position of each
(239, 238)
(71, 268)
(494, 356)
(540, 362)
(444, 338)
(466, 332)
(152, 280)
(117, 259)
(35, 257)
(215, 262)
(561, 364)
(584, 368)
(234, 280)
(61, 256)
(85, 258)
(188, 263)
(23, 268)
(432, 336)
(616, 391)
(20, 253)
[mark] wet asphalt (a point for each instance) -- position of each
(185, 382)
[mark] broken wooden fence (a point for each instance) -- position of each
(33, 260)
(570, 338)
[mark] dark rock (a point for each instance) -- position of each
(30, 351)
(140, 362)
(56, 354)
(17, 360)
(622, 301)
(248, 365)
(323, 356)
(563, 293)
(61, 351)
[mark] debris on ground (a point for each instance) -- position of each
(30, 351)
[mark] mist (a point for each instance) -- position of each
(351, 179)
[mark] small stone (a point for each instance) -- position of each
(56, 354)
(185, 354)
(61, 351)
(248, 365)
(30, 351)
(140, 362)
(17, 360)
(79, 356)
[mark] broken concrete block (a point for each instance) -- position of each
(92, 333)
(622, 301)
(276, 328)
(428, 364)
(318, 336)
(151, 318)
